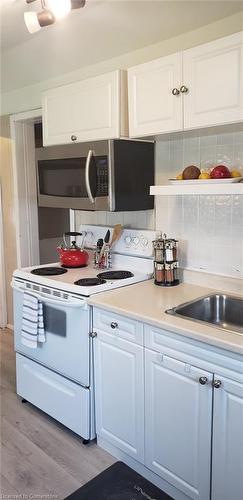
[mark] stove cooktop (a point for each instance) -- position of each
(132, 262)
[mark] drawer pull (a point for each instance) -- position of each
(114, 325)
(73, 138)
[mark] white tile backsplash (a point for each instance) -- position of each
(144, 219)
(209, 228)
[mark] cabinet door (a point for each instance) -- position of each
(178, 413)
(119, 383)
(86, 110)
(213, 74)
(227, 466)
(153, 109)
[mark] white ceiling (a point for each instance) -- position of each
(100, 31)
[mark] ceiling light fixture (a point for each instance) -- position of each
(59, 8)
(51, 10)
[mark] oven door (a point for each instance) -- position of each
(67, 325)
(79, 182)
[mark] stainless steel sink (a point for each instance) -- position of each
(222, 311)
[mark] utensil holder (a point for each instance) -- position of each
(104, 261)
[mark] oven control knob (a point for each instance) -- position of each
(128, 240)
(136, 240)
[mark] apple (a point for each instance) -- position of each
(220, 172)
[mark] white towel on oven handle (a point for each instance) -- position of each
(33, 330)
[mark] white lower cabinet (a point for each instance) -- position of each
(183, 424)
(227, 465)
(178, 413)
(119, 381)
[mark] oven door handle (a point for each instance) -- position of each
(53, 301)
(87, 182)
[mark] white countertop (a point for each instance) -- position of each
(147, 303)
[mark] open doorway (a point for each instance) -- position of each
(52, 222)
(38, 230)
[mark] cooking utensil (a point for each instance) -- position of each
(106, 241)
(72, 255)
(116, 234)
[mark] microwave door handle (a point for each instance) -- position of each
(87, 183)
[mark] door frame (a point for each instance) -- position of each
(25, 187)
(25, 192)
(3, 298)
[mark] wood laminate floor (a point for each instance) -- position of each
(39, 457)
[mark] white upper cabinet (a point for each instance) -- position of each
(91, 109)
(200, 87)
(155, 104)
(213, 75)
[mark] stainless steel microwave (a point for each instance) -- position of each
(112, 175)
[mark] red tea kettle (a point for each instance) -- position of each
(72, 255)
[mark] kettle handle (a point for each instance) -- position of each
(72, 233)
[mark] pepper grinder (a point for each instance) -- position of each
(166, 266)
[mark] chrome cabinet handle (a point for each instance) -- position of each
(216, 384)
(114, 325)
(93, 335)
(73, 138)
(203, 380)
(175, 91)
(184, 89)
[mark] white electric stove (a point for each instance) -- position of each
(132, 255)
(57, 376)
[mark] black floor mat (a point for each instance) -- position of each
(118, 482)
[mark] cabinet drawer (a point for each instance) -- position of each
(57, 396)
(118, 325)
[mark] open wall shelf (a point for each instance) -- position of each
(203, 189)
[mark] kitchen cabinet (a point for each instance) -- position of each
(155, 104)
(120, 393)
(173, 404)
(213, 75)
(91, 109)
(199, 87)
(178, 413)
(227, 456)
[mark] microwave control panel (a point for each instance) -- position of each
(102, 176)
